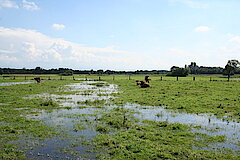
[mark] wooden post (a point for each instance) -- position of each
(177, 78)
(194, 78)
(99, 78)
(161, 78)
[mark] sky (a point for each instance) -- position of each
(118, 34)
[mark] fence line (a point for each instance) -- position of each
(116, 77)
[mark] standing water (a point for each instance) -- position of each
(76, 121)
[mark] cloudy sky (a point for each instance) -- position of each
(118, 34)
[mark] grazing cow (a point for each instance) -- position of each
(147, 79)
(144, 84)
(38, 79)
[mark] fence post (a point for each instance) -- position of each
(194, 78)
(177, 78)
(99, 78)
(161, 78)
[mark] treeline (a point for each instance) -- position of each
(67, 71)
(193, 68)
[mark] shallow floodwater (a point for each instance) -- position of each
(202, 123)
(14, 83)
(76, 121)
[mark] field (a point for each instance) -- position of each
(96, 119)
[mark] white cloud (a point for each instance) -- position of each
(58, 26)
(8, 4)
(30, 5)
(191, 3)
(231, 49)
(202, 29)
(235, 39)
(29, 48)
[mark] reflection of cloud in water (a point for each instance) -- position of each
(209, 123)
(66, 119)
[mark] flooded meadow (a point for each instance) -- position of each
(86, 113)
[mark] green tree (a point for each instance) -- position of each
(230, 68)
(178, 72)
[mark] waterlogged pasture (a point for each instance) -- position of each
(118, 120)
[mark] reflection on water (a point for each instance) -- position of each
(77, 122)
(209, 123)
(13, 83)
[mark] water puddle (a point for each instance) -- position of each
(202, 123)
(76, 121)
(14, 83)
(4, 104)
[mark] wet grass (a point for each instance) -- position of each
(124, 137)
(220, 98)
(121, 135)
(14, 123)
(93, 102)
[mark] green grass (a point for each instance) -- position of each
(220, 98)
(152, 140)
(13, 122)
(120, 134)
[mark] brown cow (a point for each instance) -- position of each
(38, 79)
(147, 79)
(144, 84)
(138, 82)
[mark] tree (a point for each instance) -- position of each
(178, 72)
(193, 68)
(230, 68)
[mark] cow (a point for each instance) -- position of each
(38, 79)
(138, 82)
(147, 79)
(144, 84)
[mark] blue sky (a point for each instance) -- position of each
(118, 34)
